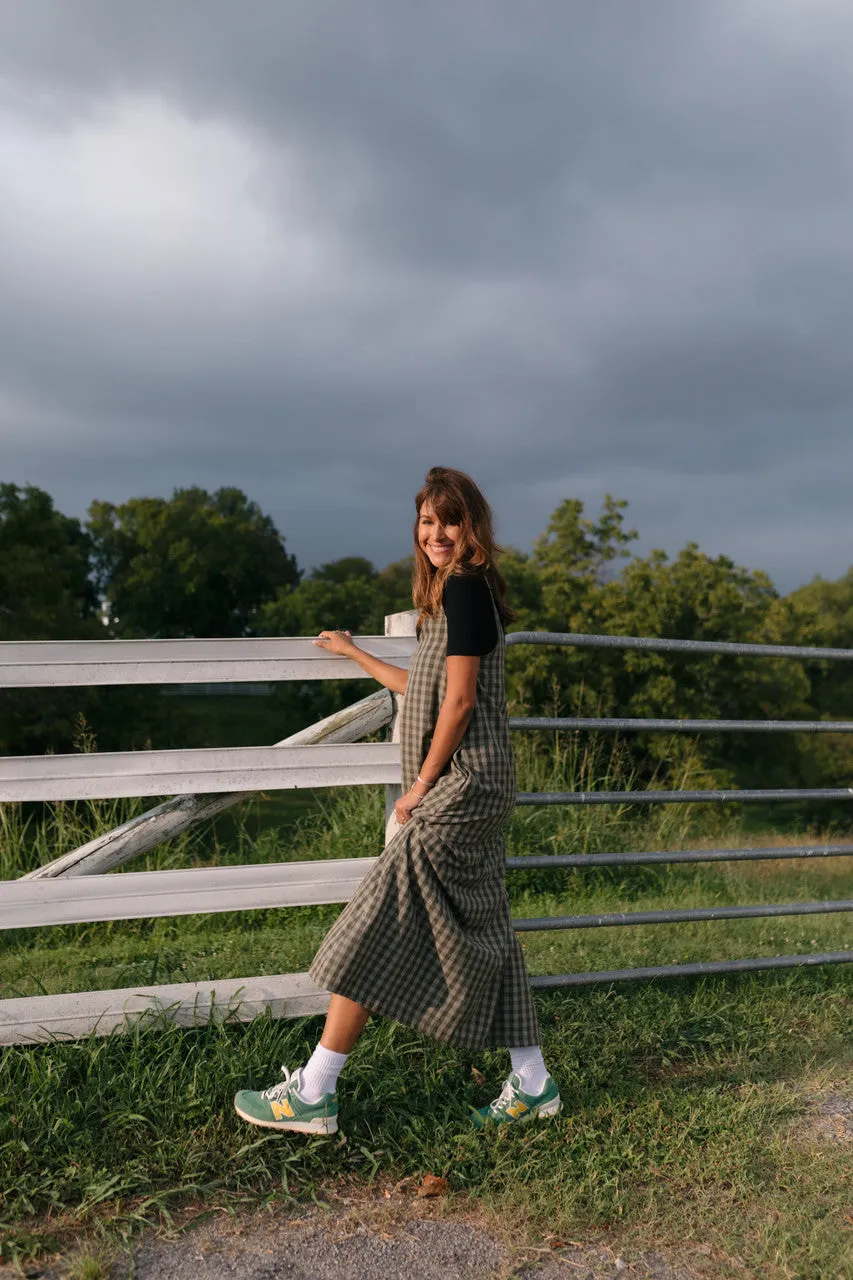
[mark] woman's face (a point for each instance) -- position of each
(436, 539)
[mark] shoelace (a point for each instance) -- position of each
(505, 1096)
(276, 1091)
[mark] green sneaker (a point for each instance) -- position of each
(513, 1105)
(280, 1107)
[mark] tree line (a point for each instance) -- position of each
(214, 564)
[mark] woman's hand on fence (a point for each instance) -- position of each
(404, 806)
(335, 642)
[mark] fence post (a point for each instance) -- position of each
(396, 624)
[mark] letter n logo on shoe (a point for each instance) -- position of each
(281, 1110)
(517, 1109)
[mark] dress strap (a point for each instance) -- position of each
(495, 607)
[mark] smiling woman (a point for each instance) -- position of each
(427, 938)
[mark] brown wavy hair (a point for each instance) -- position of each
(456, 499)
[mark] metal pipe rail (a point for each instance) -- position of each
(750, 795)
(551, 860)
(638, 725)
(760, 795)
(657, 644)
(533, 924)
(702, 968)
(641, 724)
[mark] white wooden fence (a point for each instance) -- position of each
(74, 888)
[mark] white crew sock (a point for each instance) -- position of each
(530, 1065)
(320, 1073)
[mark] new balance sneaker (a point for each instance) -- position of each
(513, 1105)
(280, 1107)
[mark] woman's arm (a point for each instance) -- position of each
(394, 678)
(453, 718)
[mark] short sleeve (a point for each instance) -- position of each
(471, 626)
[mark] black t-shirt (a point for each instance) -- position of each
(471, 624)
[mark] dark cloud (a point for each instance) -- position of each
(313, 249)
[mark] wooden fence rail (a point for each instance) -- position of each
(102, 775)
(32, 663)
(190, 891)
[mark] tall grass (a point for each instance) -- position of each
(583, 762)
(33, 835)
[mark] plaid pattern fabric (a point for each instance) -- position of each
(426, 939)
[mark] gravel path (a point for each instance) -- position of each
(394, 1238)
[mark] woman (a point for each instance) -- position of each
(427, 938)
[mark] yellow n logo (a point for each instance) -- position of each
(517, 1109)
(281, 1110)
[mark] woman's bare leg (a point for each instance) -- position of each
(344, 1024)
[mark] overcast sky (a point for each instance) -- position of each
(311, 249)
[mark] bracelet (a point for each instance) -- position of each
(426, 784)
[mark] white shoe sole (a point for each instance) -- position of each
(317, 1125)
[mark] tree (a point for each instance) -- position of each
(45, 589)
(393, 591)
(570, 583)
(320, 604)
(573, 557)
(197, 564)
(699, 597)
(821, 614)
(45, 594)
(347, 594)
(558, 588)
(342, 570)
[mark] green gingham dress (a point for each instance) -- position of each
(427, 939)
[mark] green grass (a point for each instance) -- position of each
(679, 1094)
(88, 1267)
